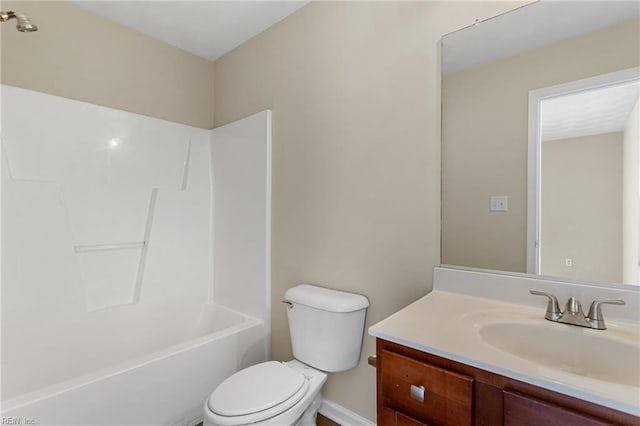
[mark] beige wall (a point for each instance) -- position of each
(354, 88)
(581, 207)
(487, 154)
(82, 56)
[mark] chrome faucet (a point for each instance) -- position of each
(573, 313)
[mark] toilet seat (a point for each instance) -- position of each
(257, 393)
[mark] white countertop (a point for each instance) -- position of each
(447, 324)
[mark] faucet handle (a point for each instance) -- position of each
(553, 307)
(595, 312)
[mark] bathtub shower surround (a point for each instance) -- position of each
(129, 247)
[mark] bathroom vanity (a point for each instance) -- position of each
(457, 357)
(454, 393)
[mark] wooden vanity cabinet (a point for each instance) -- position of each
(416, 388)
(439, 396)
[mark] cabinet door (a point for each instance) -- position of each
(425, 392)
(523, 410)
(402, 420)
(394, 418)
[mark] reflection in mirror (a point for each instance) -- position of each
(583, 185)
(489, 70)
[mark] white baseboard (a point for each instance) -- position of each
(341, 415)
(196, 422)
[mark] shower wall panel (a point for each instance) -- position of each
(241, 158)
(100, 207)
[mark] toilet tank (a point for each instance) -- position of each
(326, 326)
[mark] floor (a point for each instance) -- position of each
(323, 421)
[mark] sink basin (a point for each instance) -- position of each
(569, 349)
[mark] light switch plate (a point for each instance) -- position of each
(499, 203)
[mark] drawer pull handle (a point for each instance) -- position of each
(417, 393)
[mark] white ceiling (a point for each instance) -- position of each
(530, 27)
(588, 113)
(206, 28)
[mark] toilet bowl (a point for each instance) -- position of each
(327, 328)
(270, 393)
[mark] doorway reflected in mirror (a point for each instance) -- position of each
(586, 209)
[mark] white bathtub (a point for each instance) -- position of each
(141, 365)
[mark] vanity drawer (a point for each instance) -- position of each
(394, 418)
(525, 410)
(425, 392)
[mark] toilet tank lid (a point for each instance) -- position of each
(326, 299)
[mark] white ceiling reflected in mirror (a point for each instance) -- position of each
(488, 72)
(528, 28)
(592, 112)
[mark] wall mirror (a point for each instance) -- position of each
(540, 142)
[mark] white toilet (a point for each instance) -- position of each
(326, 329)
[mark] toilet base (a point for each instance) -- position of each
(309, 416)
